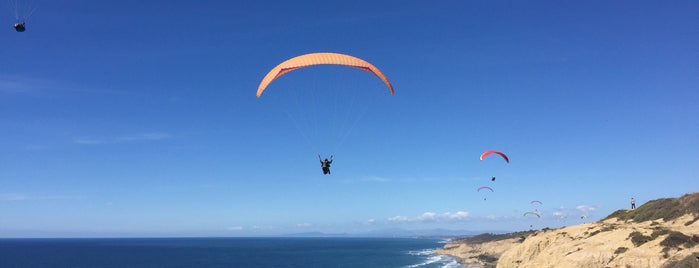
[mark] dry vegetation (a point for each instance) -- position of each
(489, 237)
(665, 209)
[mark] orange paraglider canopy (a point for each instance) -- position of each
(320, 59)
(489, 152)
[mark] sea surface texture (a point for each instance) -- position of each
(222, 252)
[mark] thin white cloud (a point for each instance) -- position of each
(585, 208)
(155, 136)
(500, 218)
(581, 211)
(380, 179)
(9, 197)
(375, 179)
(459, 215)
(34, 147)
(21, 85)
(265, 228)
(398, 219)
(88, 141)
(560, 215)
(304, 225)
(427, 216)
(234, 228)
(39, 87)
(432, 216)
(144, 137)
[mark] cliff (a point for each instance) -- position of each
(661, 233)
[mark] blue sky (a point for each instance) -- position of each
(140, 119)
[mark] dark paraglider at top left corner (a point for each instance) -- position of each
(22, 10)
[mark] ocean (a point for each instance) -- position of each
(222, 252)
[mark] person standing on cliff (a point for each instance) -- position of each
(633, 203)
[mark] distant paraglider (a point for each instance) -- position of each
(536, 202)
(532, 213)
(485, 187)
(20, 27)
(22, 10)
(489, 152)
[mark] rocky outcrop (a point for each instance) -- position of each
(484, 254)
(483, 249)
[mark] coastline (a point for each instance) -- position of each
(466, 255)
(461, 261)
(481, 251)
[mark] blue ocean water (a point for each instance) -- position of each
(222, 252)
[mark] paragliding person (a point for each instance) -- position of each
(492, 179)
(484, 187)
(19, 27)
(325, 164)
(23, 10)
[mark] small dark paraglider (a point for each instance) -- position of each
(484, 187)
(23, 10)
(20, 27)
(325, 164)
(492, 179)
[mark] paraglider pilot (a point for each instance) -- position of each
(325, 164)
(19, 27)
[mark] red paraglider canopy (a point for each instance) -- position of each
(489, 152)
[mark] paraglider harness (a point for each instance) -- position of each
(325, 164)
(19, 27)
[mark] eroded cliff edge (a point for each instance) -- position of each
(661, 233)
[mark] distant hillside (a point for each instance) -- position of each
(660, 233)
(664, 208)
(491, 237)
(394, 232)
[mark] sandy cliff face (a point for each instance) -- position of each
(611, 243)
(627, 238)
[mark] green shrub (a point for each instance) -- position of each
(637, 238)
(486, 258)
(675, 239)
(692, 221)
(605, 228)
(621, 214)
(659, 232)
(594, 233)
(621, 250)
(489, 237)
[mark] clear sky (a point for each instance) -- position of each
(139, 118)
